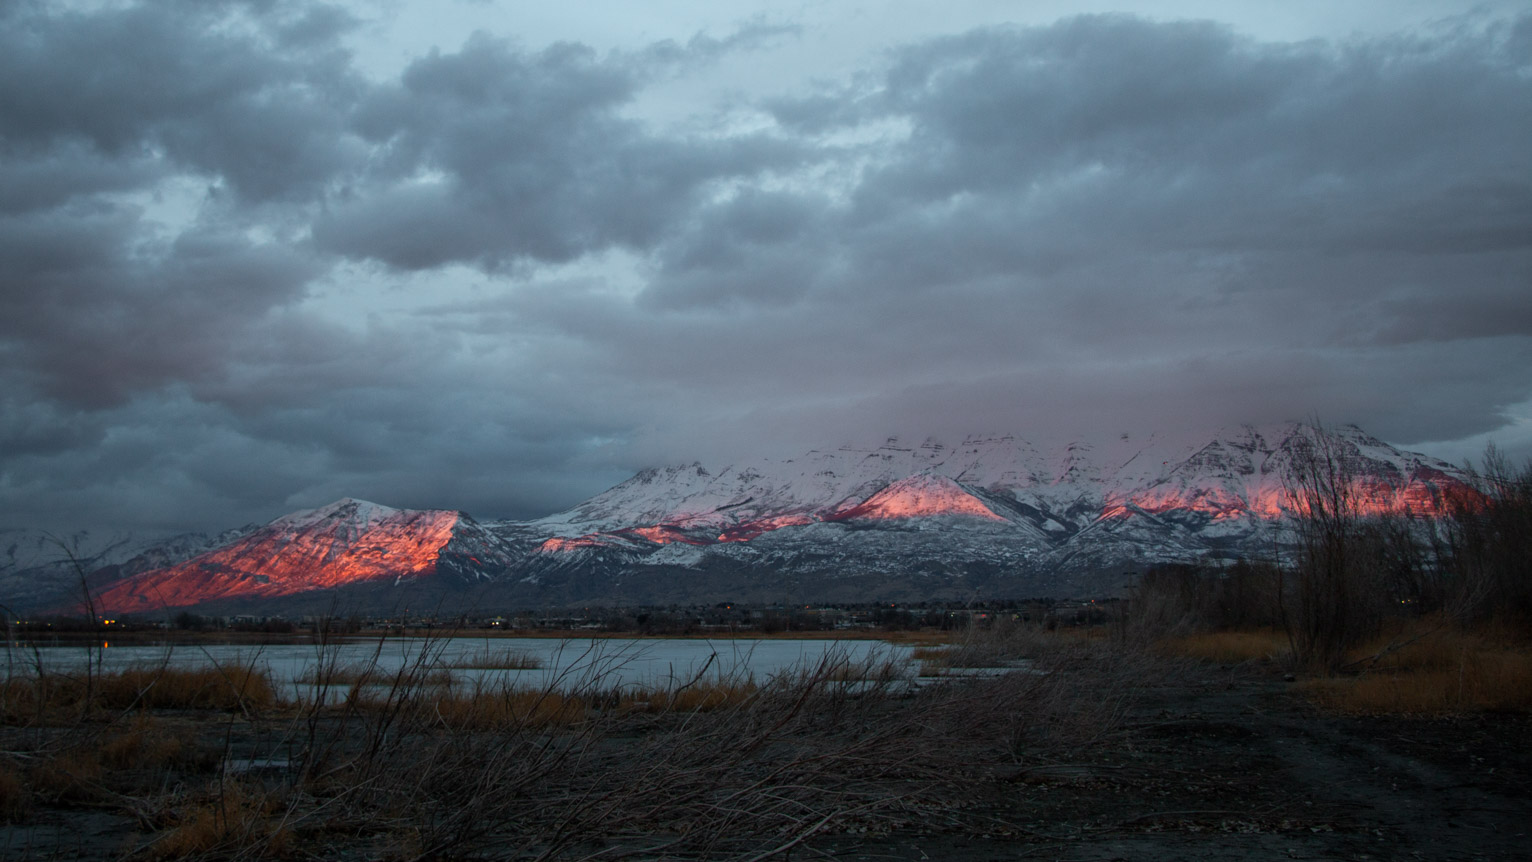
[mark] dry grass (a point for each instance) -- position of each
(495, 660)
(1432, 671)
(229, 817)
(1230, 647)
(870, 669)
(222, 688)
(368, 673)
(700, 697)
(481, 708)
(144, 744)
(70, 776)
(702, 768)
(506, 709)
(25, 700)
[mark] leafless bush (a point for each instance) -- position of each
(1181, 600)
(710, 768)
(1340, 591)
(1487, 548)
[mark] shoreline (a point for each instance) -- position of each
(190, 638)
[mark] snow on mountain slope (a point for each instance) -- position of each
(924, 495)
(37, 566)
(989, 512)
(1081, 503)
(346, 542)
(822, 482)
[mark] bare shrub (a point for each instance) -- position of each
(487, 659)
(68, 776)
(1183, 602)
(146, 743)
(1487, 550)
(230, 816)
(709, 767)
(15, 800)
(1338, 590)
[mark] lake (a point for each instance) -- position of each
(557, 664)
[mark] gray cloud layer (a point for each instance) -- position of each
(240, 276)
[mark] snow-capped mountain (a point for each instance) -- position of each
(1227, 489)
(346, 543)
(991, 515)
(37, 565)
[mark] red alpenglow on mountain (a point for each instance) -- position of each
(1237, 479)
(1041, 521)
(926, 495)
(344, 543)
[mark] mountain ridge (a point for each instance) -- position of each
(989, 513)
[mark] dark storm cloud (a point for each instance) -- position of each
(1122, 193)
(493, 154)
(97, 302)
(94, 317)
(154, 369)
(757, 248)
(182, 83)
(222, 243)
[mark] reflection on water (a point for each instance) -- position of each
(557, 664)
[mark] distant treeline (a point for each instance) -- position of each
(720, 617)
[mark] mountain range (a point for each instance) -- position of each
(985, 517)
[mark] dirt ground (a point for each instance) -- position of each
(1231, 764)
(1209, 763)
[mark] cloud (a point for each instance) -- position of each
(241, 276)
(254, 97)
(1119, 195)
(494, 155)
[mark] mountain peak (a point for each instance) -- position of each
(345, 542)
(924, 495)
(347, 509)
(1020, 517)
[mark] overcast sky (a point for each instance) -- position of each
(495, 256)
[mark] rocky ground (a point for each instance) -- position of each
(1232, 764)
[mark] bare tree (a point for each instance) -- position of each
(1488, 553)
(1337, 594)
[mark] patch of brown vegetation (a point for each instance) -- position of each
(1230, 647)
(146, 743)
(48, 697)
(1435, 669)
(494, 660)
(230, 816)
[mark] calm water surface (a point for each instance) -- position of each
(562, 664)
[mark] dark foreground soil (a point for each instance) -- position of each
(1237, 765)
(1208, 763)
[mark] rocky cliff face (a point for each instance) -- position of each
(988, 515)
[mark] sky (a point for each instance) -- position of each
(496, 256)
